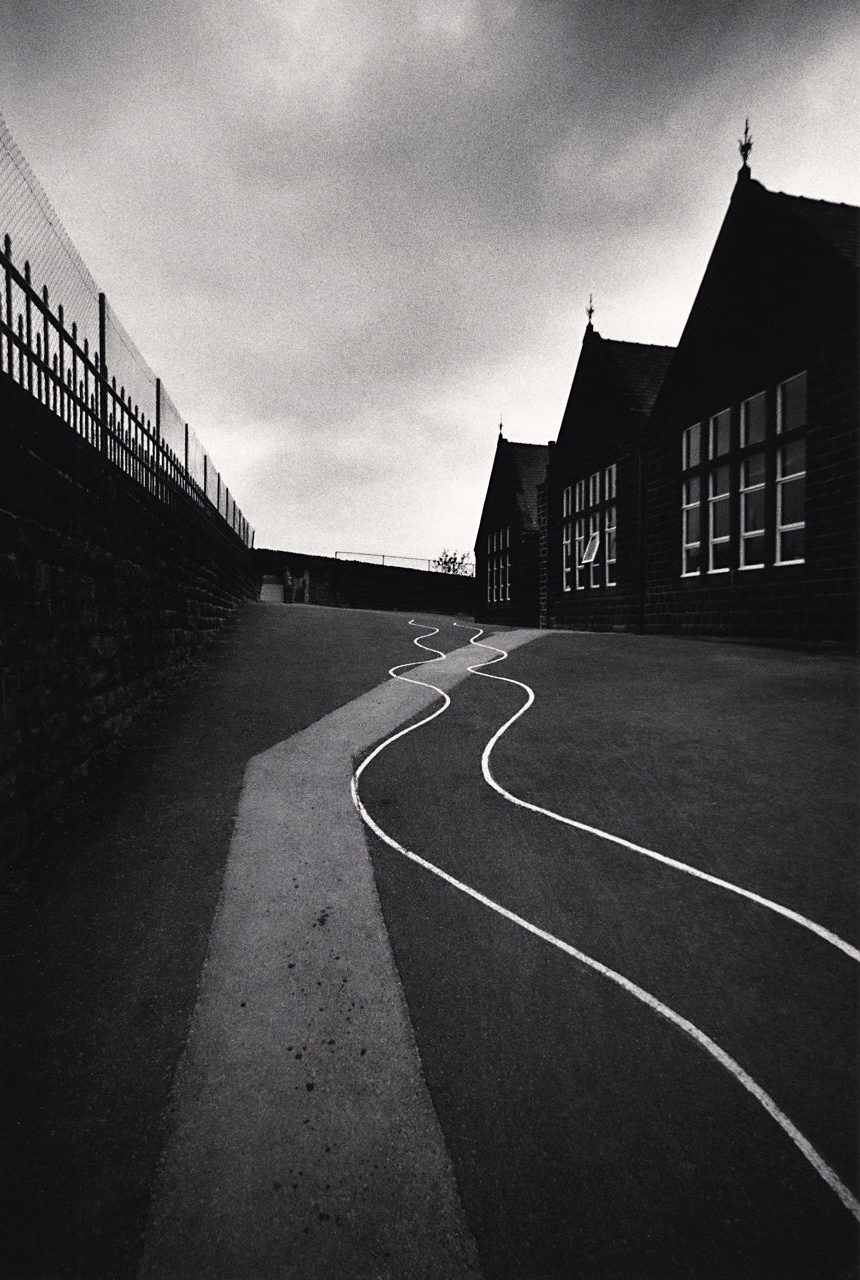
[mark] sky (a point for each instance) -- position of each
(352, 236)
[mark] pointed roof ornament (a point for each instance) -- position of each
(745, 145)
(500, 424)
(589, 310)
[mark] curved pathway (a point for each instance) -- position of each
(304, 1140)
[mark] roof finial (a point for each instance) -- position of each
(589, 310)
(500, 424)
(745, 144)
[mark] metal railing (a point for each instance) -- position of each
(86, 378)
(404, 562)
(376, 557)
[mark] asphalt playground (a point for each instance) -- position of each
(546, 970)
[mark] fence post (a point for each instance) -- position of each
(46, 356)
(10, 345)
(61, 332)
(103, 372)
(156, 458)
(186, 451)
(28, 312)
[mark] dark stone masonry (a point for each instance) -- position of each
(106, 592)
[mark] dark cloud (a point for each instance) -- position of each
(347, 235)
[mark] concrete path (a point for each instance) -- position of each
(305, 1143)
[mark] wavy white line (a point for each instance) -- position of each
(698, 1036)
(833, 938)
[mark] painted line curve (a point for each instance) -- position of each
(795, 916)
(699, 1037)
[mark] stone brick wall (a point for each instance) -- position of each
(811, 603)
(599, 608)
(543, 551)
(354, 584)
(523, 608)
(770, 307)
(105, 593)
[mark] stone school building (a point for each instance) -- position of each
(711, 488)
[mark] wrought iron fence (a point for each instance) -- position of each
(94, 379)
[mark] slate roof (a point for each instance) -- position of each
(639, 370)
(838, 225)
(529, 463)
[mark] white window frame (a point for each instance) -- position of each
(499, 565)
(589, 555)
(690, 544)
(581, 522)
(610, 524)
(760, 486)
(593, 548)
(692, 443)
(792, 526)
(687, 446)
(745, 416)
(714, 500)
(781, 395)
(565, 555)
(713, 421)
(595, 515)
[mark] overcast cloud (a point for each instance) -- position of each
(348, 236)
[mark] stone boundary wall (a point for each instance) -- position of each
(106, 592)
(354, 584)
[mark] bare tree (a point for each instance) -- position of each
(454, 562)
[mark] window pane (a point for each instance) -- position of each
(610, 544)
(692, 446)
(692, 524)
(752, 551)
(752, 470)
(792, 501)
(753, 511)
(719, 482)
(692, 559)
(753, 419)
(792, 403)
(791, 545)
(792, 458)
(720, 424)
(691, 491)
(720, 527)
(721, 555)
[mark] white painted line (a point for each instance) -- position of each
(695, 1033)
(826, 934)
